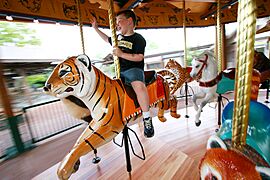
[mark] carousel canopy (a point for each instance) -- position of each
(151, 14)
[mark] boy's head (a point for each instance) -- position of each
(125, 22)
(128, 14)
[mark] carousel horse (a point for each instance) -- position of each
(221, 161)
(204, 70)
(212, 83)
(107, 104)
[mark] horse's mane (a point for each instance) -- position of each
(211, 55)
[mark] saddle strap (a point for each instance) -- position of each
(211, 83)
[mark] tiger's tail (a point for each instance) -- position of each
(171, 78)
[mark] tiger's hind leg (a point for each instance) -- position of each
(173, 107)
(161, 115)
(162, 106)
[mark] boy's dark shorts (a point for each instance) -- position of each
(133, 74)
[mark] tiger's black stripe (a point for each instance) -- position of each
(121, 85)
(162, 103)
(109, 118)
(101, 96)
(90, 128)
(99, 135)
(76, 101)
(106, 108)
(119, 106)
(89, 144)
(96, 133)
(115, 132)
(77, 69)
(98, 78)
(82, 82)
(87, 118)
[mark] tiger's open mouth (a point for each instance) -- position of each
(69, 89)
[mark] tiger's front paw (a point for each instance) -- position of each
(67, 167)
(63, 174)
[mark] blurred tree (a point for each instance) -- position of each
(151, 45)
(18, 34)
(191, 55)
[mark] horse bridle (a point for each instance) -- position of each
(204, 61)
(210, 83)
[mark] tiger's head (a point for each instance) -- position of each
(73, 76)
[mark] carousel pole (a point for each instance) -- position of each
(80, 25)
(185, 56)
(219, 56)
(96, 159)
(245, 53)
(268, 80)
(219, 37)
(114, 37)
(117, 73)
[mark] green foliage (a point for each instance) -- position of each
(37, 80)
(108, 69)
(191, 54)
(151, 46)
(17, 33)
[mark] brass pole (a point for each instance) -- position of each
(245, 53)
(185, 40)
(219, 37)
(80, 25)
(114, 37)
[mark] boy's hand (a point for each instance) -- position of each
(117, 52)
(93, 21)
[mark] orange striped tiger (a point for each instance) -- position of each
(80, 84)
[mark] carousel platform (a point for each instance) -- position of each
(173, 153)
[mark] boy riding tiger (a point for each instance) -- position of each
(104, 102)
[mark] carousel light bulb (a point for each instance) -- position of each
(229, 7)
(213, 15)
(205, 18)
(35, 21)
(9, 18)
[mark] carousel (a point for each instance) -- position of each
(189, 143)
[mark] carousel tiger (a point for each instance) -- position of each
(103, 102)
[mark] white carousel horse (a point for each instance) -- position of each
(204, 70)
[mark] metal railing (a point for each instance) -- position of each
(35, 124)
(48, 119)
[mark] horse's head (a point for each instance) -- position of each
(198, 64)
(69, 77)
(201, 63)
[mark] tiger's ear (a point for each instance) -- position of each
(85, 60)
(215, 142)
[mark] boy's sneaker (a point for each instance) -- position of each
(148, 127)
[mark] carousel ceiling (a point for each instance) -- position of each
(150, 13)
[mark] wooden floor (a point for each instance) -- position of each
(173, 153)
